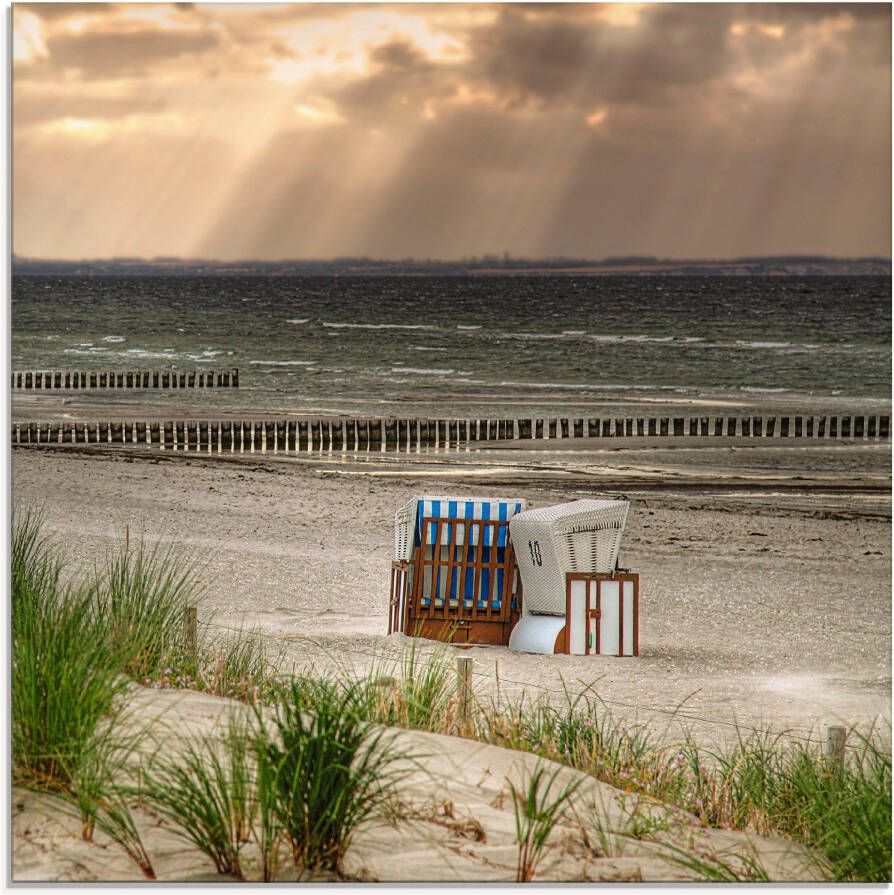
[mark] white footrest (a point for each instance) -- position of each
(536, 634)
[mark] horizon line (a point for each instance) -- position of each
(474, 259)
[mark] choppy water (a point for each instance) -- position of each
(473, 345)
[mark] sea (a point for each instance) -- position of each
(470, 346)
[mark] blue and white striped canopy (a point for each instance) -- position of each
(447, 585)
(434, 508)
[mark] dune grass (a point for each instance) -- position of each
(206, 790)
(282, 777)
(409, 691)
(66, 689)
(334, 771)
(65, 667)
(765, 782)
(537, 808)
(142, 594)
(78, 645)
(239, 666)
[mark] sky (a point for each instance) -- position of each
(451, 130)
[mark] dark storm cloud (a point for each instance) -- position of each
(124, 53)
(562, 57)
(399, 55)
(400, 80)
(557, 60)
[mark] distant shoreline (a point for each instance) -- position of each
(489, 266)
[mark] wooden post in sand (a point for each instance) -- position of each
(190, 631)
(464, 690)
(835, 737)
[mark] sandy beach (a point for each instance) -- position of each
(456, 822)
(765, 570)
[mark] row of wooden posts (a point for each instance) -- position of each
(61, 380)
(408, 434)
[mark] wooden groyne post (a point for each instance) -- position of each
(408, 434)
(66, 380)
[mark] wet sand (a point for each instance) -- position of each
(256, 402)
(765, 570)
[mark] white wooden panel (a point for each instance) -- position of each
(577, 619)
(610, 620)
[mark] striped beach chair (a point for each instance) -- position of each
(454, 564)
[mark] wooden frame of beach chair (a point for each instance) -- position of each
(398, 604)
(461, 585)
(480, 624)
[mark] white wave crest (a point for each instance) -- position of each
(282, 363)
(377, 325)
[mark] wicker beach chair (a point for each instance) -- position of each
(556, 545)
(454, 569)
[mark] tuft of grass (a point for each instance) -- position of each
(240, 667)
(66, 689)
(100, 770)
(207, 793)
(35, 563)
(268, 829)
(715, 868)
(843, 811)
(116, 821)
(537, 811)
(410, 692)
(65, 670)
(334, 771)
(143, 594)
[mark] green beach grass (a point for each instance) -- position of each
(326, 767)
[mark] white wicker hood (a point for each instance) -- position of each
(580, 536)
